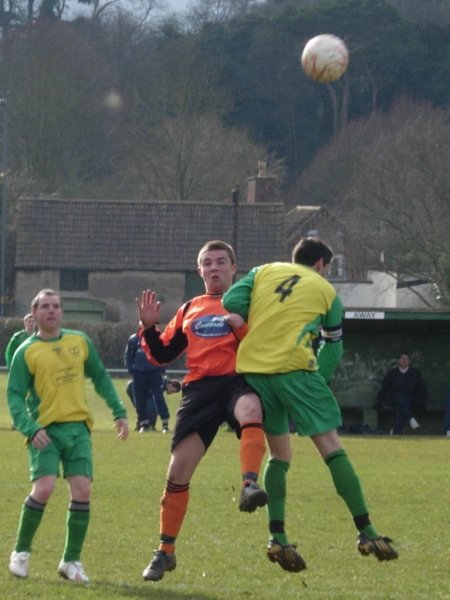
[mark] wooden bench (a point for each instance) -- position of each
(359, 418)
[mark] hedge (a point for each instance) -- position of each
(109, 339)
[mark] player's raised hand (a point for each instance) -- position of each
(148, 308)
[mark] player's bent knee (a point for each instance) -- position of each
(248, 408)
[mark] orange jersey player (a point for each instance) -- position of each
(212, 394)
(200, 329)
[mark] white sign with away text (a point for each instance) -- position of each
(364, 314)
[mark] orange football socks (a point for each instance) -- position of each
(253, 448)
(174, 504)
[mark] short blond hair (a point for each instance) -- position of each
(217, 245)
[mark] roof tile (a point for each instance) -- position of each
(134, 236)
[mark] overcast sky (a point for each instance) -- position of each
(76, 8)
(178, 5)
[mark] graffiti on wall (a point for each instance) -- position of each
(358, 377)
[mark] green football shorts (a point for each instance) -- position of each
(302, 397)
(70, 445)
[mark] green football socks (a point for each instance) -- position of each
(76, 528)
(348, 486)
(275, 486)
(30, 519)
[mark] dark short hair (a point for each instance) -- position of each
(404, 352)
(309, 250)
(44, 292)
(217, 245)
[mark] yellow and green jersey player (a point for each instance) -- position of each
(50, 374)
(287, 306)
(47, 401)
(29, 325)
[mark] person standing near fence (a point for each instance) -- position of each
(147, 387)
(29, 325)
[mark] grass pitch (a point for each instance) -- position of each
(220, 551)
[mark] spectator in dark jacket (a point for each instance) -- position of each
(147, 388)
(404, 389)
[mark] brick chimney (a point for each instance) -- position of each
(261, 188)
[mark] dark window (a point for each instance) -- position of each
(338, 271)
(74, 280)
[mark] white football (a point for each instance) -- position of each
(325, 58)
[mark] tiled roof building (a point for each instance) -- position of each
(102, 253)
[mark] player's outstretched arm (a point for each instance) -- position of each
(237, 298)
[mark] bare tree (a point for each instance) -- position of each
(388, 180)
(434, 11)
(398, 198)
(201, 12)
(140, 10)
(56, 83)
(177, 144)
(328, 175)
(194, 158)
